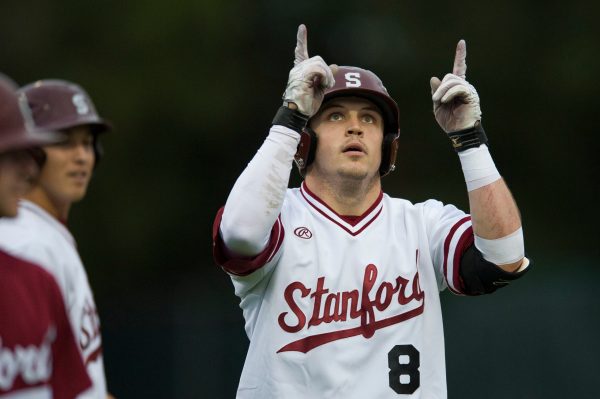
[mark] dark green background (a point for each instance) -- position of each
(191, 87)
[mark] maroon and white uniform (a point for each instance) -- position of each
(348, 306)
(40, 238)
(39, 358)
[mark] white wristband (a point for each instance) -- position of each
(478, 167)
(502, 251)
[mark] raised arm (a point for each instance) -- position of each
(495, 216)
(256, 199)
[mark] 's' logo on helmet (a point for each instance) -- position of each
(352, 79)
(303, 232)
(80, 104)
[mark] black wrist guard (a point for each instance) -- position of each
(468, 138)
(290, 118)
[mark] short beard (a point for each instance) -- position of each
(352, 181)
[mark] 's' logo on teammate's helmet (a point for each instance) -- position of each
(80, 104)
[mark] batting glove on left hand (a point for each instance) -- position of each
(455, 101)
(308, 79)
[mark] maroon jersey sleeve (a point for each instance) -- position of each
(243, 266)
(36, 333)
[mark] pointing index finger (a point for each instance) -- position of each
(460, 60)
(301, 51)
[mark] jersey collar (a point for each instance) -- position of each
(48, 219)
(354, 225)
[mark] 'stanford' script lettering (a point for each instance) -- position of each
(338, 307)
(32, 363)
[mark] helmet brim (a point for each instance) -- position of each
(96, 125)
(385, 104)
(25, 139)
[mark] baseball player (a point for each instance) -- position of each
(39, 233)
(339, 283)
(39, 357)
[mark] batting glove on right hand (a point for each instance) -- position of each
(308, 80)
(455, 101)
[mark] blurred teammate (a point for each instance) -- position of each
(38, 354)
(40, 233)
(339, 283)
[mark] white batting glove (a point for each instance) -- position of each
(455, 101)
(308, 79)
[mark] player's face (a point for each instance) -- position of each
(17, 170)
(350, 135)
(68, 168)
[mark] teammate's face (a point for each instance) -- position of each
(350, 135)
(17, 170)
(68, 168)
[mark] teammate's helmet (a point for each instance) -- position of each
(16, 131)
(358, 82)
(58, 105)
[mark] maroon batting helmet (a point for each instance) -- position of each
(16, 126)
(58, 105)
(358, 82)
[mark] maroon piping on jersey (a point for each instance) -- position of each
(464, 242)
(353, 221)
(243, 266)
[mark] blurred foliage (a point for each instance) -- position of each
(191, 87)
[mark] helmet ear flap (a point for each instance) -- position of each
(307, 147)
(389, 149)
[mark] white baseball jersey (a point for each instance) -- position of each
(38, 237)
(348, 307)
